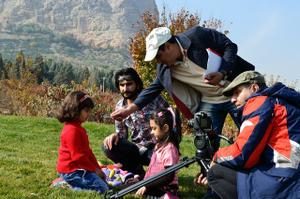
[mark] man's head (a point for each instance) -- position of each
(162, 45)
(243, 86)
(128, 82)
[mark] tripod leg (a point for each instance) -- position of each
(186, 162)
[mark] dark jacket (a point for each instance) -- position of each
(196, 40)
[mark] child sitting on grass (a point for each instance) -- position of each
(77, 164)
(166, 128)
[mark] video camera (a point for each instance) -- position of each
(204, 141)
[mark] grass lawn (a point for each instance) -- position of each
(28, 153)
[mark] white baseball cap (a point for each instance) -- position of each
(156, 38)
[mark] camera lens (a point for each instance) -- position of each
(200, 142)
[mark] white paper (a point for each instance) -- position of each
(213, 63)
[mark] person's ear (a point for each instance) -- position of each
(165, 128)
(254, 88)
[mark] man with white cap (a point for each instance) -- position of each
(264, 160)
(182, 62)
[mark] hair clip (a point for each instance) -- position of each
(159, 114)
(173, 116)
(84, 98)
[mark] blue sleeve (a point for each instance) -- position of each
(148, 94)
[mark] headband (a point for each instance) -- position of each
(125, 77)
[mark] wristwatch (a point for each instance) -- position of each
(224, 73)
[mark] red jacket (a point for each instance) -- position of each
(74, 151)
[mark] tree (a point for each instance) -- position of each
(2, 70)
(64, 74)
(38, 69)
(20, 66)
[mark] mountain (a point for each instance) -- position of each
(83, 32)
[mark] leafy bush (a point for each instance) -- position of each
(32, 99)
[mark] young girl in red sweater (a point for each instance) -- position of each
(77, 164)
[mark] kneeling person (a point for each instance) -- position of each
(137, 152)
(264, 160)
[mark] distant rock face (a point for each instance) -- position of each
(95, 23)
(98, 22)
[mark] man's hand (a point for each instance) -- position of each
(122, 113)
(111, 140)
(200, 180)
(213, 78)
(141, 191)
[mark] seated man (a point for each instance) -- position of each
(264, 160)
(137, 152)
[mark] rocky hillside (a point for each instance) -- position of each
(86, 32)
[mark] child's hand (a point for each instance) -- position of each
(141, 191)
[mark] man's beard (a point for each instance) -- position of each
(129, 95)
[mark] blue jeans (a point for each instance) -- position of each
(218, 113)
(82, 179)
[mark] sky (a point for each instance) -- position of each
(267, 32)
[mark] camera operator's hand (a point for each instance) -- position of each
(200, 180)
(111, 140)
(141, 191)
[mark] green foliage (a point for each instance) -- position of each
(26, 97)
(28, 159)
(54, 72)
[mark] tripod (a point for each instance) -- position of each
(204, 163)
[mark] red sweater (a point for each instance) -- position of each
(74, 151)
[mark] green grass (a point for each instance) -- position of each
(28, 153)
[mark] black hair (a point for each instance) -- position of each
(72, 106)
(133, 74)
(172, 40)
(164, 116)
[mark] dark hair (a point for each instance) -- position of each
(164, 116)
(133, 74)
(72, 106)
(172, 40)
